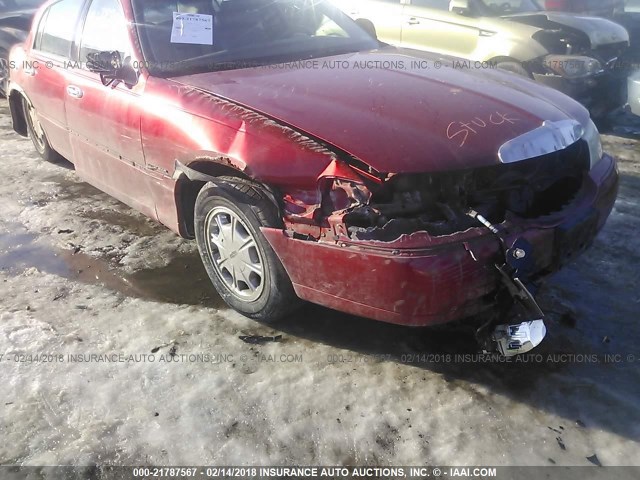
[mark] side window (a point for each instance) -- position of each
(57, 27)
(435, 4)
(37, 43)
(105, 29)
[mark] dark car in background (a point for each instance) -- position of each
(625, 12)
(574, 53)
(629, 17)
(15, 21)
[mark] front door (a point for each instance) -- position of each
(104, 121)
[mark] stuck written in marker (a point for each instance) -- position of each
(193, 28)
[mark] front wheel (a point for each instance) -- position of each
(241, 264)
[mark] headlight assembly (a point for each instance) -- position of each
(592, 137)
(572, 66)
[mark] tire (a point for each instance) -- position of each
(245, 270)
(37, 134)
(514, 67)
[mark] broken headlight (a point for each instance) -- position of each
(341, 194)
(572, 66)
(592, 137)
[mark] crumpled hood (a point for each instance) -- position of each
(600, 31)
(400, 118)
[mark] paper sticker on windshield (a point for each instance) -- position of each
(192, 28)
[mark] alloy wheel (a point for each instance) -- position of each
(234, 253)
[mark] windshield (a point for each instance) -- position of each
(496, 8)
(191, 36)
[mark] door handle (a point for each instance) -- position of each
(354, 12)
(413, 21)
(74, 91)
(29, 70)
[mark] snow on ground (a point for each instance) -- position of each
(83, 275)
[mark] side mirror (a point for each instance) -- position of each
(368, 27)
(111, 68)
(460, 7)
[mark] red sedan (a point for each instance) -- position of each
(310, 161)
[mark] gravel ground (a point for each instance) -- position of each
(83, 279)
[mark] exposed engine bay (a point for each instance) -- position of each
(439, 203)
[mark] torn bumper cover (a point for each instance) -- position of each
(420, 280)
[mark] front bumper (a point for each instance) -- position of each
(411, 285)
(634, 93)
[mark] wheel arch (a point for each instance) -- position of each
(17, 112)
(191, 177)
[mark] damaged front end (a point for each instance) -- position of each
(430, 248)
(441, 204)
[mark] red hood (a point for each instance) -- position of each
(398, 119)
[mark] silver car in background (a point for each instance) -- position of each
(634, 93)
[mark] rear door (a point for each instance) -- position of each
(104, 121)
(429, 25)
(46, 69)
